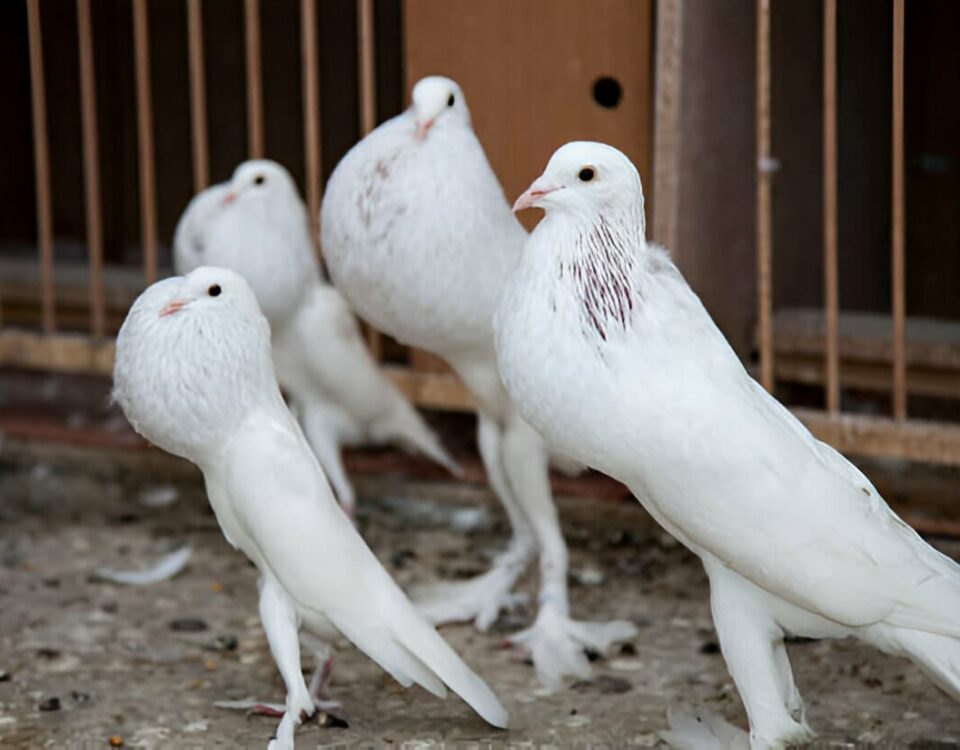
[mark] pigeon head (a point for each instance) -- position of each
(193, 358)
(584, 178)
(438, 103)
(260, 181)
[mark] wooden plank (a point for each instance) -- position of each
(931, 343)
(764, 206)
(528, 71)
(667, 130)
(830, 291)
(867, 376)
(41, 161)
(882, 437)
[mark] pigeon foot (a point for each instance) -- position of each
(558, 645)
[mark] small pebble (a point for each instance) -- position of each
(79, 697)
(116, 741)
(50, 704)
(188, 625)
(710, 647)
(5, 676)
(329, 721)
(222, 643)
(626, 665)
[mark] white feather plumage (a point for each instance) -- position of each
(257, 225)
(613, 357)
(418, 236)
(198, 381)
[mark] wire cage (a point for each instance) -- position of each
(96, 296)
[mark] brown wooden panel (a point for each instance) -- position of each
(528, 71)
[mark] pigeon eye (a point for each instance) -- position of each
(214, 291)
(259, 179)
(451, 100)
(586, 174)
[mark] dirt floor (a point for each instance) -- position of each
(82, 660)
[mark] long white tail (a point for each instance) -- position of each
(404, 425)
(937, 655)
(411, 650)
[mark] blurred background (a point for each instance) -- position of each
(800, 160)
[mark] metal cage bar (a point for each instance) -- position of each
(763, 208)
(897, 222)
(311, 111)
(830, 285)
(366, 62)
(91, 168)
(251, 25)
(198, 96)
(148, 187)
(41, 159)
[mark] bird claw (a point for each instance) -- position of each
(557, 644)
(479, 600)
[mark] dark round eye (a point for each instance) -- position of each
(586, 174)
(259, 179)
(451, 100)
(214, 291)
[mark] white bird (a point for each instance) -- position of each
(257, 225)
(194, 375)
(418, 236)
(613, 357)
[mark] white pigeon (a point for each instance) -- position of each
(257, 225)
(194, 375)
(613, 357)
(418, 236)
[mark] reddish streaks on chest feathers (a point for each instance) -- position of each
(374, 182)
(601, 275)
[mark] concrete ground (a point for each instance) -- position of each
(83, 660)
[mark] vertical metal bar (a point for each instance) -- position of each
(897, 229)
(830, 291)
(91, 168)
(41, 159)
(764, 178)
(311, 110)
(366, 66)
(198, 96)
(148, 198)
(366, 75)
(667, 131)
(251, 17)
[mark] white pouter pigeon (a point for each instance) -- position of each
(613, 357)
(194, 375)
(418, 236)
(256, 224)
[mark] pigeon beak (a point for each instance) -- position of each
(422, 128)
(228, 198)
(534, 193)
(173, 306)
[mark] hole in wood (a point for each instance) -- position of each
(607, 92)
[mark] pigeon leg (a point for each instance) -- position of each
(555, 642)
(280, 623)
(323, 442)
(323, 658)
(481, 599)
(750, 641)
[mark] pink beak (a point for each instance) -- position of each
(228, 198)
(536, 191)
(422, 128)
(173, 306)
